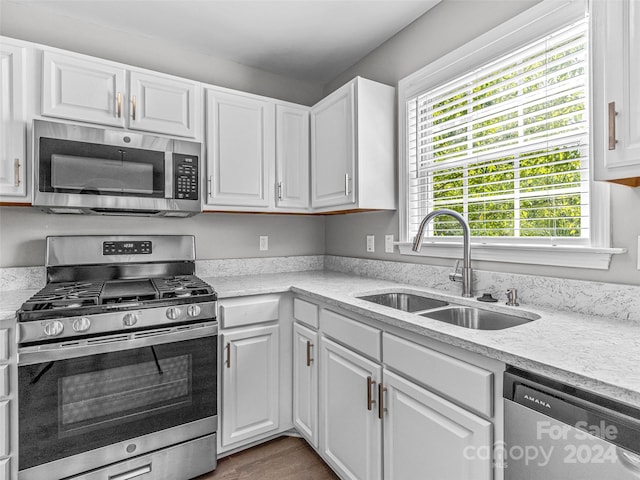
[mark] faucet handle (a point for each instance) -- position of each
(456, 275)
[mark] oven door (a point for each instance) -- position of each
(86, 405)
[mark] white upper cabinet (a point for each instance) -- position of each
(333, 149)
(162, 105)
(292, 157)
(13, 161)
(352, 148)
(616, 42)
(85, 90)
(240, 138)
(95, 91)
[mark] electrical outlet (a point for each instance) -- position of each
(638, 252)
(371, 243)
(264, 242)
(388, 243)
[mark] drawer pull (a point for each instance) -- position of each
(132, 473)
(370, 399)
(309, 359)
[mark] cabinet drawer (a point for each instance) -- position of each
(4, 381)
(4, 344)
(352, 333)
(236, 312)
(4, 429)
(469, 385)
(305, 312)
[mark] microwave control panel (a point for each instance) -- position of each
(185, 177)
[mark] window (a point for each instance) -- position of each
(499, 132)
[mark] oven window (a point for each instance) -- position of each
(68, 166)
(91, 401)
(72, 406)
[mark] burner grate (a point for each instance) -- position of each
(65, 295)
(181, 286)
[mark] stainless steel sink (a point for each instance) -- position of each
(470, 317)
(405, 301)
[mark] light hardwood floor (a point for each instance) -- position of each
(285, 458)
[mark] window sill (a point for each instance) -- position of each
(552, 255)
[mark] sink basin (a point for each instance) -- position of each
(470, 317)
(405, 301)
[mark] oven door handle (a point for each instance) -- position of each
(113, 343)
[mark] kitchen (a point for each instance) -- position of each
(229, 244)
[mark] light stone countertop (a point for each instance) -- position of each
(594, 353)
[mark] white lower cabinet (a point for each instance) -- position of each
(427, 437)
(250, 383)
(8, 402)
(305, 383)
(350, 431)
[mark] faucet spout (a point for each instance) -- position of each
(466, 276)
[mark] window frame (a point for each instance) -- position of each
(536, 22)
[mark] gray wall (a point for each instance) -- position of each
(218, 235)
(446, 27)
(39, 25)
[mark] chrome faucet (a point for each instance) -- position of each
(455, 276)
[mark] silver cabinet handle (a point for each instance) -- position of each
(209, 185)
(309, 359)
(612, 125)
(16, 172)
(119, 105)
(381, 409)
(370, 401)
(279, 191)
(347, 180)
(228, 360)
(133, 107)
(132, 473)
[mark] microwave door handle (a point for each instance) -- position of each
(168, 178)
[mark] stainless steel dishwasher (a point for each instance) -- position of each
(557, 432)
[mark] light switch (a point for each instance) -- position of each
(638, 252)
(371, 243)
(388, 243)
(264, 242)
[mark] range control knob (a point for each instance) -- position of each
(81, 324)
(193, 310)
(130, 319)
(54, 328)
(173, 313)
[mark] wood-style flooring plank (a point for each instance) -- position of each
(285, 458)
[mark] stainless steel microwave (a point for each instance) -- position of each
(91, 170)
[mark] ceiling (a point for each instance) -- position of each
(313, 40)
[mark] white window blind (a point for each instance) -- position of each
(506, 145)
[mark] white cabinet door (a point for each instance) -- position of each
(350, 431)
(333, 149)
(426, 436)
(162, 105)
(250, 383)
(240, 148)
(616, 30)
(13, 162)
(305, 382)
(85, 90)
(292, 157)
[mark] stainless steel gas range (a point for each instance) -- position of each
(117, 362)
